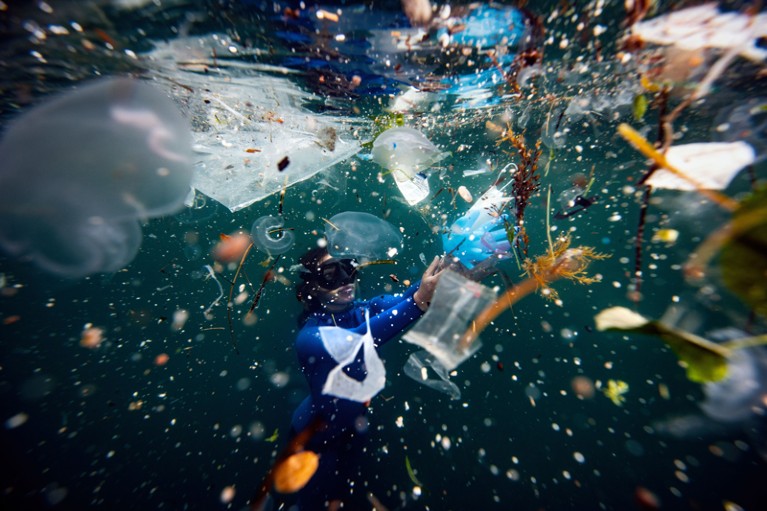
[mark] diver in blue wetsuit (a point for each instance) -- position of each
(328, 294)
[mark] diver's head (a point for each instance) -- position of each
(327, 283)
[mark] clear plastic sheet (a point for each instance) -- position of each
(418, 367)
(457, 300)
(253, 133)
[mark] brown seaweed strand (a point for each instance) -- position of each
(638, 242)
(526, 180)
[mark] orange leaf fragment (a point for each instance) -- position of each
(295, 471)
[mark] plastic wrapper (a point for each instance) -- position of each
(457, 300)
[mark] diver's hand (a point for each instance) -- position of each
(425, 292)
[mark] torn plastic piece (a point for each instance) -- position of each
(713, 165)
(414, 189)
(417, 367)
(246, 122)
(457, 300)
(343, 345)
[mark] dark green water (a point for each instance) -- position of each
(111, 429)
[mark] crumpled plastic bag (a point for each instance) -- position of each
(456, 302)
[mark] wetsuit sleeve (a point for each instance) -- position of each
(390, 315)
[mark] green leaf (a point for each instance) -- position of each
(744, 255)
(640, 106)
(411, 473)
(705, 361)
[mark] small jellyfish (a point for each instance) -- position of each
(79, 172)
(353, 234)
(407, 153)
(269, 236)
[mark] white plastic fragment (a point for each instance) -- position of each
(619, 317)
(704, 26)
(712, 165)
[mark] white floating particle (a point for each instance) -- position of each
(227, 494)
(16, 421)
(580, 458)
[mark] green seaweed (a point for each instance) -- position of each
(274, 436)
(411, 473)
(639, 106)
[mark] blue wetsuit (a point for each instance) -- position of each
(341, 439)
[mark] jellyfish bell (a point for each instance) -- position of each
(270, 236)
(361, 236)
(80, 171)
(407, 153)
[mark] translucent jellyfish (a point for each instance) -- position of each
(80, 172)
(269, 236)
(362, 236)
(407, 153)
(733, 406)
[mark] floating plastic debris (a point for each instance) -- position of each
(417, 367)
(455, 303)
(480, 233)
(712, 165)
(246, 127)
(704, 26)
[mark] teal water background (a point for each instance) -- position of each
(519, 437)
